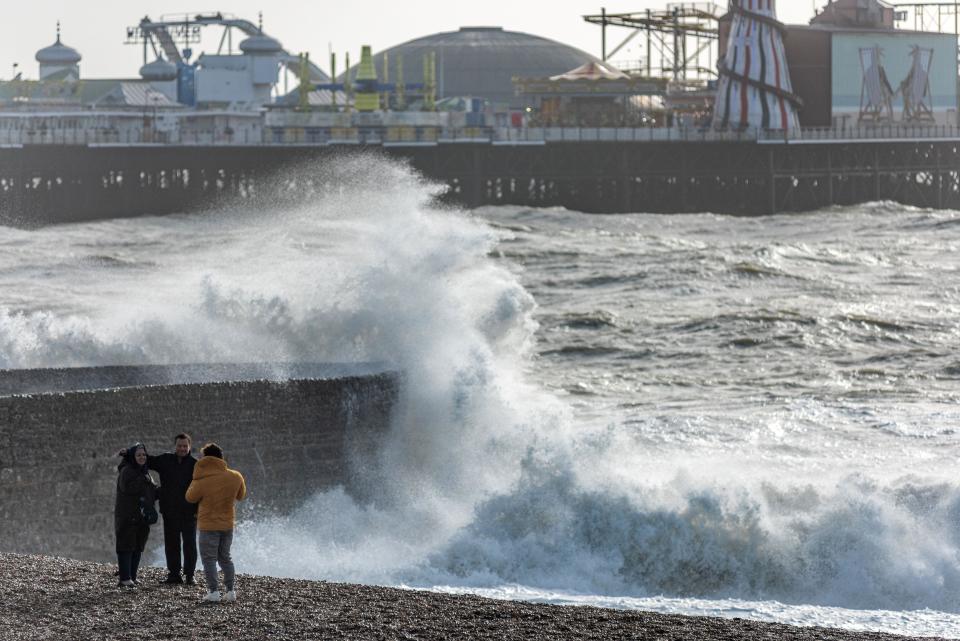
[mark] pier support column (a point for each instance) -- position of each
(772, 178)
(625, 186)
(684, 180)
(474, 186)
(939, 179)
(876, 174)
(830, 202)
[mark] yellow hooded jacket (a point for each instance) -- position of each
(216, 488)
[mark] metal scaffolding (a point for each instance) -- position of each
(169, 32)
(680, 43)
(940, 17)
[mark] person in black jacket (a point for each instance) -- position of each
(179, 517)
(136, 494)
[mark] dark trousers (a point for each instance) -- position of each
(177, 529)
(129, 563)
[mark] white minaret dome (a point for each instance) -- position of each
(59, 60)
(159, 70)
(58, 54)
(261, 44)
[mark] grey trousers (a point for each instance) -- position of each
(214, 547)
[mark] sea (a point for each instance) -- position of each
(698, 414)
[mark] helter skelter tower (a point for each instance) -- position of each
(754, 89)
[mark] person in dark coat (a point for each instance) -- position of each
(179, 517)
(175, 470)
(136, 495)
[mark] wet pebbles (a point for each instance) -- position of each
(53, 598)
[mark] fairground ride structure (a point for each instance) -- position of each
(165, 34)
(754, 90)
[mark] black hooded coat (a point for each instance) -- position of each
(134, 489)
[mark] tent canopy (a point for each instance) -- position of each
(592, 71)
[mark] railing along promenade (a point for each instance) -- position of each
(492, 135)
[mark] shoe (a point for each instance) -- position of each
(127, 583)
(173, 579)
(212, 597)
(189, 580)
(230, 596)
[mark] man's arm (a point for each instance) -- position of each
(154, 463)
(242, 490)
(194, 493)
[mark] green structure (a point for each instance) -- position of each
(367, 98)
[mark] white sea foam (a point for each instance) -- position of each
(914, 622)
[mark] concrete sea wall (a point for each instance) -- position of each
(290, 429)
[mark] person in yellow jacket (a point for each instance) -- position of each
(216, 488)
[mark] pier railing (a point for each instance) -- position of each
(428, 136)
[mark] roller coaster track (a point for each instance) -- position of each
(161, 31)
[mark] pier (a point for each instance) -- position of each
(591, 170)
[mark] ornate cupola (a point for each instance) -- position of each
(58, 60)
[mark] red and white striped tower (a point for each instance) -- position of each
(754, 90)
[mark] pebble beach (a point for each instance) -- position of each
(51, 598)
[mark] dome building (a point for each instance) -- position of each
(162, 76)
(58, 61)
(248, 78)
(481, 61)
(158, 71)
(264, 53)
(261, 44)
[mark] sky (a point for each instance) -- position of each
(97, 29)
